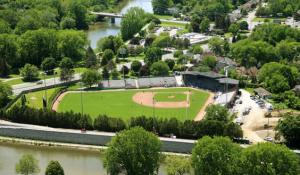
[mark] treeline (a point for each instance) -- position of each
(162, 127)
(34, 46)
(20, 16)
(268, 42)
(279, 8)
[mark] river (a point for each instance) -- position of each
(74, 162)
(103, 29)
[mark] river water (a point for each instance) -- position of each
(103, 29)
(74, 162)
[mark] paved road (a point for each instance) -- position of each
(17, 89)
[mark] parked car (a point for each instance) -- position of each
(269, 139)
(40, 82)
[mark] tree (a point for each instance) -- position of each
(136, 66)
(111, 42)
(214, 156)
(8, 53)
(105, 73)
(268, 158)
(27, 165)
(124, 70)
(4, 27)
(217, 112)
(289, 127)
(204, 25)
(234, 29)
(133, 151)
(159, 68)
(72, 44)
(90, 77)
(35, 45)
(197, 49)
(68, 23)
(170, 63)
(5, 92)
(66, 66)
(210, 61)
(133, 22)
(153, 54)
(91, 58)
(29, 72)
(54, 168)
(244, 25)
(107, 56)
(160, 7)
(216, 45)
(78, 11)
(177, 165)
(48, 65)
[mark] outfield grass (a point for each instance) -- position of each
(170, 97)
(120, 104)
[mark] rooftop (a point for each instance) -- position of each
(204, 74)
(262, 92)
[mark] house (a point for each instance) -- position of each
(224, 62)
(209, 80)
(195, 38)
(262, 93)
(297, 89)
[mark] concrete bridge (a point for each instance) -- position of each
(112, 16)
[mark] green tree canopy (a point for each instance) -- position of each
(134, 20)
(90, 77)
(8, 53)
(153, 54)
(29, 72)
(289, 128)
(159, 68)
(268, 158)
(161, 6)
(133, 151)
(107, 56)
(136, 66)
(217, 112)
(110, 42)
(54, 168)
(5, 92)
(210, 61)
(48, 65)
(215, 156)
(27, 165)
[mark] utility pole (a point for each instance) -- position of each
(45, 86)
(81, 89)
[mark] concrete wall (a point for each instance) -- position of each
(88, 139)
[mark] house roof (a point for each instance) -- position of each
(228, 81)
(262, 92)
(204, 74)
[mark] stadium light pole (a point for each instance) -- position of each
(81, 88)
(45, 89)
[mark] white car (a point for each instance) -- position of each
(268, 139)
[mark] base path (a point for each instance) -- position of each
(58, 100)
(202, 112)
(147, 99)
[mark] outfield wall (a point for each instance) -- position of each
(169, 145)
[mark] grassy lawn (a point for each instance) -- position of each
(35, 99)
(258, 19)
(163, 16)
(120, 104)
(169, 97)
(172, 24)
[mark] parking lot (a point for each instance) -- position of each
(251, 116)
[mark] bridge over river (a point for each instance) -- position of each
(112, 16)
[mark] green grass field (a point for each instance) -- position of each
(35, 99)
(120, 103)
(170, 97)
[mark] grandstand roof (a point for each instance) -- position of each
(204, 74)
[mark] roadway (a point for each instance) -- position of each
(17, 89)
